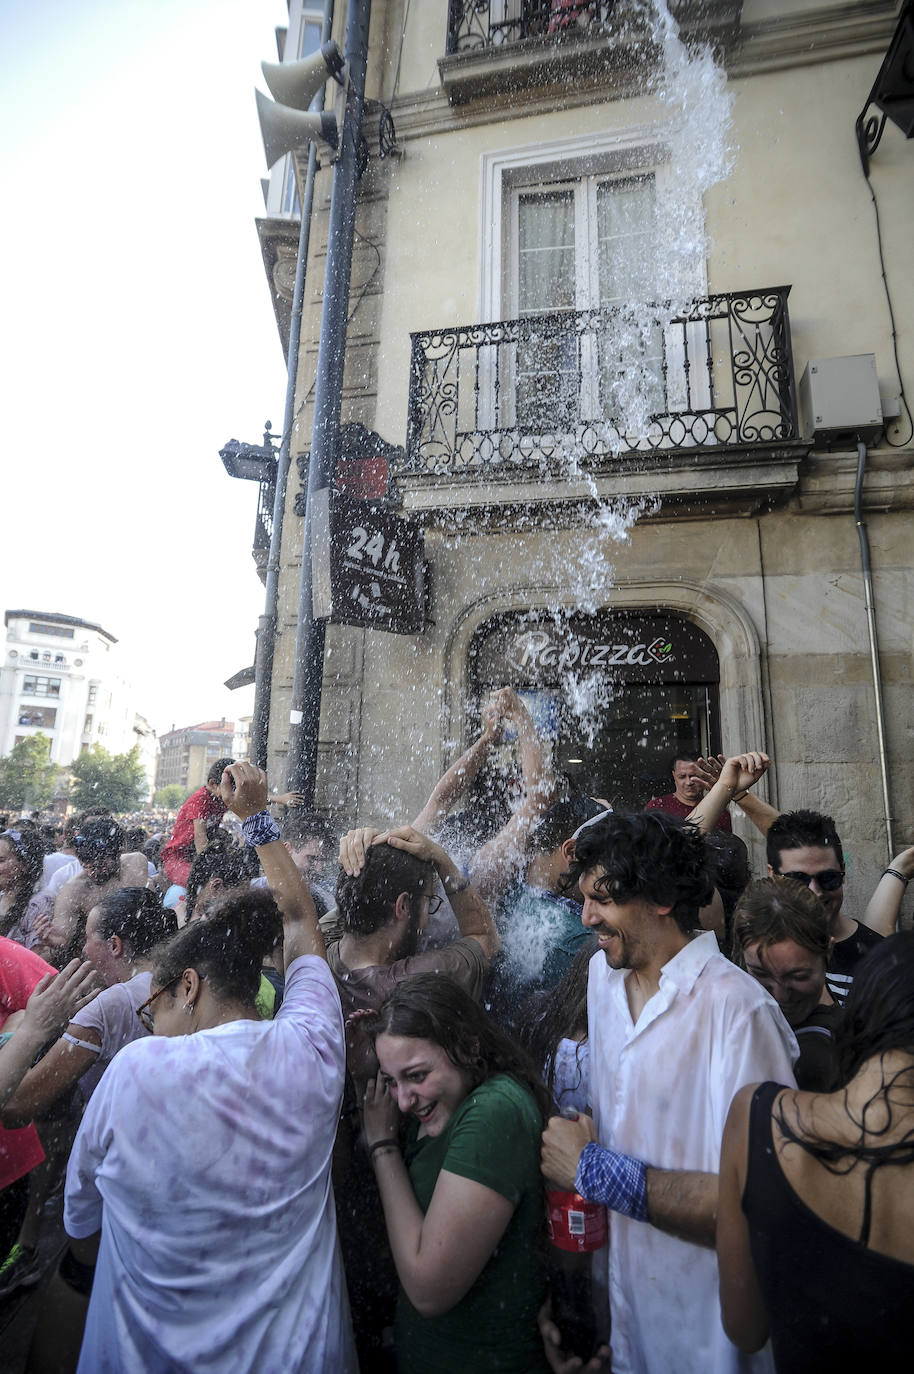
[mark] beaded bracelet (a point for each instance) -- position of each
(893, 873)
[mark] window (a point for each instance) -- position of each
(45, 716)
(36, 628)
(585, 245)
(577, 225)
(41, 686)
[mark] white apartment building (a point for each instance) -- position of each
(60, 677)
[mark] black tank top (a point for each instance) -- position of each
(833, 1304)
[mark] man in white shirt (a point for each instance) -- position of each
(675, 1030)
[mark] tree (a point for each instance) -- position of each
(27, 774)
(171, 796)
(117, 781)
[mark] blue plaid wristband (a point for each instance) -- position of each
(616, 1180)
(260, 829)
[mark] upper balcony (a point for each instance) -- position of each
(544, 41)
(536, 405)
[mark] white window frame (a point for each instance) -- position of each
(637, 148)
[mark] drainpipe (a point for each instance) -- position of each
(266, 628)
(874, 645)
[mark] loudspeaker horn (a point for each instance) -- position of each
(297, 83)
(283, 129)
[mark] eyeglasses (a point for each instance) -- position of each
(144, 1013)
(829, 880)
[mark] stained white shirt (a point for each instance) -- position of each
(205, 1161)
(660, 1090)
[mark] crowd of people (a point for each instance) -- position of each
(316, 1121)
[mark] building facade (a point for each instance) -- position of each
(592, 359)
(186, 755)
(60, 677)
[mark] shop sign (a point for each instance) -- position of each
(620, 648)
(368, 565)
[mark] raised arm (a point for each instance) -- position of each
(244, 791)
(885, 904)
(473, 917)
(737, 775)
(759, 812)
(460, 776)
(499, 862)
(54, 1000)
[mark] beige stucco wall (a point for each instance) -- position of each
(779, 591)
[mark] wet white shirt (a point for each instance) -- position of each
(205, 1160)
(661, 1090)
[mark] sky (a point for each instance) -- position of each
(138, 333)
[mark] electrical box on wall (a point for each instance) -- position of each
(839, 399)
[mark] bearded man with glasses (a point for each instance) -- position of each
(804, 845)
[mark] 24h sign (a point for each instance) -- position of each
(367, 565)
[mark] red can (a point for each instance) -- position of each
(573, 1223)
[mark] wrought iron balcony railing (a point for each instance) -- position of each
(474, 24)
(263, 527)
(587, 385)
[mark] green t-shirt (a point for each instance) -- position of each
(494, 1139)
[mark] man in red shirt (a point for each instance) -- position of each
(689, 791)
(189, 835)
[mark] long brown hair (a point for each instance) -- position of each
(433, 1007)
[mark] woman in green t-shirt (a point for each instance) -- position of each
(463, 1198)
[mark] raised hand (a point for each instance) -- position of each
(58, 996)
(244, 789)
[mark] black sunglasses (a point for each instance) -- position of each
(830, 879)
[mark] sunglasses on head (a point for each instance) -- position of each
(830, 879)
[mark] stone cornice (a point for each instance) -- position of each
(841, 31)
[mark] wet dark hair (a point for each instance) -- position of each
(135, 914)
(728, 858)
(560, 822)
(433, 1007)
(134, 839)
(98, 835)
(30, 851)
(366, 902)
(684, 756)
(218, 768)
(223, 861)
(227, 948)
(650, 856)
(799, 830)
(302, 826)
(878, 1018)
(557, 1014)
(775, 909)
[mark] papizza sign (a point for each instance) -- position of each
(626, 648)
(368, 565)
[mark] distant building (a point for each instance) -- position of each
(241, 743)
(186, 755)
(60, 677)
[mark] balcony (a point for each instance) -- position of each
(547, 41)
(263, 527)
(540, 401)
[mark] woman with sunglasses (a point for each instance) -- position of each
(22, 855)
(781, 937)
(202, 1165)
(462, 1195)
(815, 1223)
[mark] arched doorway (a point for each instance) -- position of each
(616, 693)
